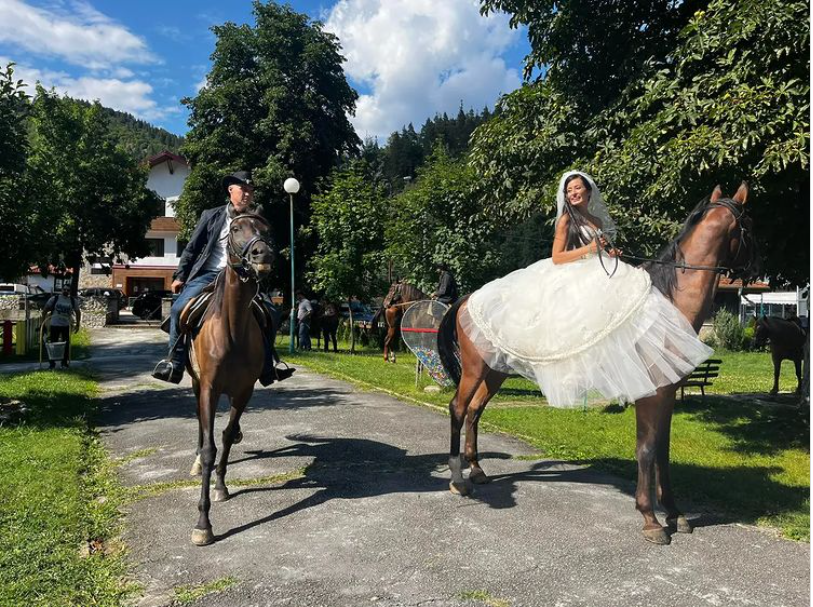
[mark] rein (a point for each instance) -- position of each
(736, 210)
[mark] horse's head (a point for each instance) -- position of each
(742, 255)
(762, 332)
(250, 252)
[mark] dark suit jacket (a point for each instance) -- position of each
(202, 243)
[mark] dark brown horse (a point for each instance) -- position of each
(398, 298)
(787, 340)
(227, 355)
(325, 324)
(716, 237)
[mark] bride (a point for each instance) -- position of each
(580, 332)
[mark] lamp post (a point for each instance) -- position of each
(291, 186)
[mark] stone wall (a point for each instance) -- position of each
(99, 311)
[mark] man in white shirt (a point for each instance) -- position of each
(303, 317)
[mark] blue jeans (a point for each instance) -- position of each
(304, 335)
(192, 288)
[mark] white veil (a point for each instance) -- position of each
(596, 205)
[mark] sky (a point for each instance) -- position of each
(408, 59)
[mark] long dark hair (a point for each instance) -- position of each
(575, 233)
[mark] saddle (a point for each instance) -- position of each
(191, 318)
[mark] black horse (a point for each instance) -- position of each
(787, 341)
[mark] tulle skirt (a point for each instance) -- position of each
(581, 335)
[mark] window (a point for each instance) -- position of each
(156, 247)
(181, 246)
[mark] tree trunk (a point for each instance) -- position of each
(75, 264)
(352, 329)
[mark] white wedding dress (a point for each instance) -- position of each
(581, 335)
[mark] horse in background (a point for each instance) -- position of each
(400, 296)
(717, 237)
(787, 340)
(325, 324)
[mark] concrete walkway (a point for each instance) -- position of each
(344, 502)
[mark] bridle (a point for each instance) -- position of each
(238, 258)
(737, 209)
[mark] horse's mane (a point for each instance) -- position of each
(408, 292)
(663, 271)
(412, 293)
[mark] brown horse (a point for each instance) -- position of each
(787, 339)
(398, 298)
(227, 355)
(715, 238)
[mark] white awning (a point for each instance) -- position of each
(785, 298)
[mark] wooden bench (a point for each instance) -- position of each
(702, 376)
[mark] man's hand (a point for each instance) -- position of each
(176, 286)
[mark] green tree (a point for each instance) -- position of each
(439, 220)
(348, 222)
(734, 105)
(276, 102)
(15, 209)
(89, 197)
(590, 50)
(727, 101)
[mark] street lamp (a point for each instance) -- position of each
(291, 186)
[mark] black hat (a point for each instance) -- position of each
(239, 178)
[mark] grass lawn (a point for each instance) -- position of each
(746, 462)
(59, 506)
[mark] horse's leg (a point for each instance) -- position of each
(798, 364)
(488, 388)
(663, 482)
(238, 405)
(202, 533)
(646, 417)
(196, 466)
(777, 367)
(473, 372)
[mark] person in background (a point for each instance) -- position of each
(60, 308)
(303, 318)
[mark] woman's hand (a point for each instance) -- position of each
(615, 252)
(601, 242)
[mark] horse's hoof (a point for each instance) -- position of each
(657, 536)
(197, 468)
(478, 477)
(202, 537)
(459, 488)
(238, 438)
(220, 495)
(679, 524)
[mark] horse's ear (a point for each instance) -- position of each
(716, 194)
(742, 194)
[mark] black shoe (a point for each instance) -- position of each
(168, 371)
(273, 374)
(52, 365)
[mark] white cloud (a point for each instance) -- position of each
(76, 33)
(420, 57)
(133, 96)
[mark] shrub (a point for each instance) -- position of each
(729, 333)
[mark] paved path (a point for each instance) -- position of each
(365, 517)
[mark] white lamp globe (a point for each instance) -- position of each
(291, 185)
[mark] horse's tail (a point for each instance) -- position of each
(376, 319)
(448, 346)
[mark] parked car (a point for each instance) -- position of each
(362, 313)
(36, 295)
(106, 292)
(148, 305)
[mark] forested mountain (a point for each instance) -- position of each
(407, 150)
(139, 138)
